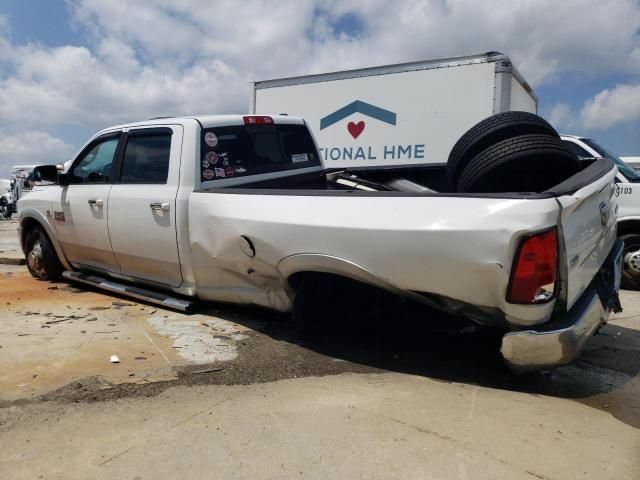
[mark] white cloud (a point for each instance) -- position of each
(620, 104)
(562, 117)
(607, 108)
(159, 57)
(31, 148)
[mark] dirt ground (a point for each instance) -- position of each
(233, 391)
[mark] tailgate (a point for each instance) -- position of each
(588, 232)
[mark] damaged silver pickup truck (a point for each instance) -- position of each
(241, 209)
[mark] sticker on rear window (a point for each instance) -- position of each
(205, 164)
(220, 172)
(300, 157)
(210, 139)
(212, 158)
(208, 174)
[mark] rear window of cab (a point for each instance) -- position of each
(241, 150)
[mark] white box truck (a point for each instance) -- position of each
(409, 113)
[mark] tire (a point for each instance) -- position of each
(490, 131)
(312, 308)
(527, 163)
(631, 262)
(42, 260)
(328, 305)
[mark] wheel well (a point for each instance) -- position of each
(27, 226)
(344, 288)
(297, 279)
(628, 226)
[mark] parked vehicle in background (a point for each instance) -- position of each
(628, 193)
(633, 162)
(20, 182)
(6, 198)
(392, 115)
(416, 113)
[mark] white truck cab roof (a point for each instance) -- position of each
(206, 121)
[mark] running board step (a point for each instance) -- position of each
(150, 296)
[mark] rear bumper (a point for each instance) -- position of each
(560, 341)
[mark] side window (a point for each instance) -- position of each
(95, 166)
(146, 158)
(577, 150)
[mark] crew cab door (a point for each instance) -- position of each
(142, 205)
(80, 215)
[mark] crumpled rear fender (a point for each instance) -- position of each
(322, 263)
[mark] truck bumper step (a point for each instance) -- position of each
(138, 293)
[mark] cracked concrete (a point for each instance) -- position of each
(234, 392)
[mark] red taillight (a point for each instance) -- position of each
(534, 270)
(258, 120)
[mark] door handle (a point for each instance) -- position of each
(96, 202)
(160, 206)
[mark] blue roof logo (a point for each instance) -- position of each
(358, 107)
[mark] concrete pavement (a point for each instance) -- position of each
(347, 426)
(234, 392)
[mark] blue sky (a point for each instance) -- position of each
(71, 67)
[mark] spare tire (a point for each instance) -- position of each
(489, 131)
(526, 163)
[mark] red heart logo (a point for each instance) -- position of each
(355, 129)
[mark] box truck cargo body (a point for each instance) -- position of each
(411, 113)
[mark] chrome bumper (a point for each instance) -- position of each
(560, 341)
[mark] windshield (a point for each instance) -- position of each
(628, 172)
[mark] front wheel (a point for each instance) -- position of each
(42, 260)
(631, 262)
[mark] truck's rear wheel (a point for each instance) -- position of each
(42, 260)
(325, 304)
(305, 316)
(490, 131)
(527, 163)
(314, 307)
(631, 262)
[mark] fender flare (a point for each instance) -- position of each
(38, 217)
(628, 219)
(322, 263)
(628, 225)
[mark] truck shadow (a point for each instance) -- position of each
(606, 376)
(603, 377)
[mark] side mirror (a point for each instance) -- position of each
(45, 175)
(63, 179)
